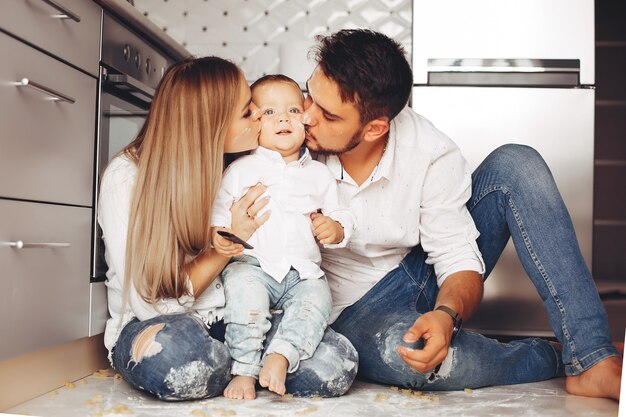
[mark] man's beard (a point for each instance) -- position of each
(355, 140)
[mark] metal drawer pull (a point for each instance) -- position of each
(65, 12)
(21, 245)
(25, 82)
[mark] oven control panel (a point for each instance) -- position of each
(129, 54)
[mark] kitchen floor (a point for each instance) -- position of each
(105, 394)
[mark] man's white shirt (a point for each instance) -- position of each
(416, 195)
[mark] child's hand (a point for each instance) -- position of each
(326, 230)
(224, 246)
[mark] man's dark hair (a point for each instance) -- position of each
(370, 70)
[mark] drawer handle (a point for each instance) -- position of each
(65, 12)
(25, 82)
(25, 245)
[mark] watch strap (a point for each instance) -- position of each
(456, 318)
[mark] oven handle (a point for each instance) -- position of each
(132, 85)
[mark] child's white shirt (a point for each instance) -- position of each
(296, 190)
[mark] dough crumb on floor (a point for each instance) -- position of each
(307, 411)
(381, 397)
(99, 397)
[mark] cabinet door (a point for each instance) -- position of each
(559, 124)
(98, 309)
(37, 22)
(46, 144)
(44, 280)
(528, 29)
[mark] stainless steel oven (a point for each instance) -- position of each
(130, 70)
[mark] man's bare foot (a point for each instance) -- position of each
(241, 388)
(274, 372)
(601, 380)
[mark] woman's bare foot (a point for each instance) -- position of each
(241, 388)
(274, 372)
(601, 380)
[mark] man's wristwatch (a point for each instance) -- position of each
(456, 319)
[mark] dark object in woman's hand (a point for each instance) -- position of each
(233, 238)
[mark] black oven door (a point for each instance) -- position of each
(124, 105)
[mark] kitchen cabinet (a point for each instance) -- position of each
(47, 154)
(44, 289)
(502, 72)
(49, 64)
(67, 29)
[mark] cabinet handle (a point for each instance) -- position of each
(25, 245)
(25, 82)
(65, 12)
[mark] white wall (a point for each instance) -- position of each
(269, 36)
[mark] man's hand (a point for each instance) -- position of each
(461, 291)
(326, 230)
(435, 327)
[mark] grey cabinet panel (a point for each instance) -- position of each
(38, 23)
(98, 312)
(47, 146)
(44, 289)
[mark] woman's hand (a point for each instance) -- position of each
(244, 212)
(224, 246)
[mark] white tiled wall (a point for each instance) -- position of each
(268, 36)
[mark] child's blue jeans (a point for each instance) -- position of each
(250, 293)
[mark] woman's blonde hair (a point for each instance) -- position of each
(179, 155)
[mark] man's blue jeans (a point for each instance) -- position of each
(513, 195)
(187, 361)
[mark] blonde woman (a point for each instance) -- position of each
(165, 335)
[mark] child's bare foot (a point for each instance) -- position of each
(274, 372)
(241, 388)
(601, 380)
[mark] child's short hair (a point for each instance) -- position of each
(275, 78)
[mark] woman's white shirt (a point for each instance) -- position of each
(116, 191)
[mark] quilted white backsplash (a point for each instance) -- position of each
(269, 36)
